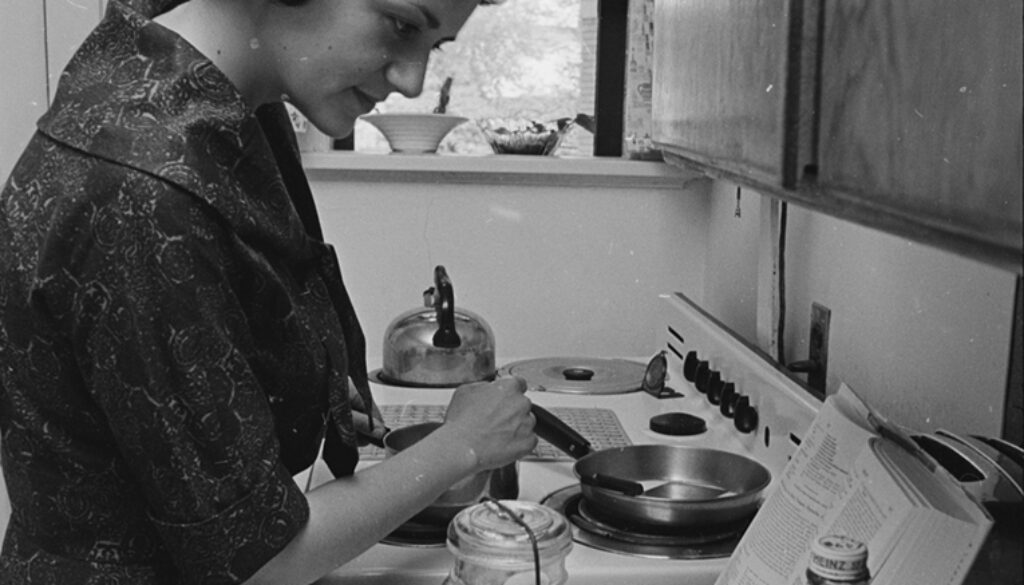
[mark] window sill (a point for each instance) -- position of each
(496, 170)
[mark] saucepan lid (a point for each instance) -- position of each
(578, 375)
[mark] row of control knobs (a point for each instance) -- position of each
(720, 393)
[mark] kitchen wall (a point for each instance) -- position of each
(921, 333)
(555, 271)
(23, 68)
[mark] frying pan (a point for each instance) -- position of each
(691, 487)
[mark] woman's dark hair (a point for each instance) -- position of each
(301, 2)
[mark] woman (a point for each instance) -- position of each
(175, 338)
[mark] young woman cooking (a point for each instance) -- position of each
(176, 341)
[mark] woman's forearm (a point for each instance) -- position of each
(349, 515)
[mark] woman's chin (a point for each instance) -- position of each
(338, 126)
(338, 132)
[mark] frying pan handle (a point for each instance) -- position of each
(610, 482)
(555, 431)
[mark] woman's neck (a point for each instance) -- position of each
(227, 32)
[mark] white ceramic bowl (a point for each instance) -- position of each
(414, 133)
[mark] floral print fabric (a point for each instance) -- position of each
(175, 337)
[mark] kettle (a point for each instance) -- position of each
(438, 345)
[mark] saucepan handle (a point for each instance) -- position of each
(555, 431)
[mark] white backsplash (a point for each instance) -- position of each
(555, 271)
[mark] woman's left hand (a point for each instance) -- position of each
(370, 427)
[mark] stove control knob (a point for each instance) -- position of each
(745, 416)
(690, 366)
(728, 399)
(702, 375)
(715, 384)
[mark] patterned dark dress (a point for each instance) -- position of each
(175, 337)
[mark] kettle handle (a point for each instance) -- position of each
(444, 304)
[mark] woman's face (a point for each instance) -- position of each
(335, 59)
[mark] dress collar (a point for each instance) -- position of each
(151, 8)
(139, 95)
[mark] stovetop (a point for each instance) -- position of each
(779, 407)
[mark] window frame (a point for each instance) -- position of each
(503, 170)
(610, 73)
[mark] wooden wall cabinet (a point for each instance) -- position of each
(903, 116)
(921, 116)
(720, 70)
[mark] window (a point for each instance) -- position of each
(532, 60)
(517, 62)
(541, 61)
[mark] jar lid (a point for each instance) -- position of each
(486, 534)
(839, 558)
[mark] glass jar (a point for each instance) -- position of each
(493, 548)
(838, 560)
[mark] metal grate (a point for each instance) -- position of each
(599, 425)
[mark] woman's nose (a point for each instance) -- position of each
(407, 77)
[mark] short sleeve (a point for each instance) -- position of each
(166, 351)
(231, 545)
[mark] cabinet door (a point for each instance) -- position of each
(720, 77)
(921, 118)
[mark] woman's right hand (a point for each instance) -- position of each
(492, 421)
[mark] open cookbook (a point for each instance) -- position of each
(858, 475)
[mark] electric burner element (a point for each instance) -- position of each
(590, 529)
(575, 375)
(418, 535)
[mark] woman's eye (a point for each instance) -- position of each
(402, 28)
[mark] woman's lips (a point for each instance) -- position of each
(366, 101)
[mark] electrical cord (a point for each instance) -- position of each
(529, 532)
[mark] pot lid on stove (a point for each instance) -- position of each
(578, 375)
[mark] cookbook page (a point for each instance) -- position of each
(877, 506)
(774, 549)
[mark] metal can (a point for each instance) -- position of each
(838, 560)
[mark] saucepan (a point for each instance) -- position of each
(500, 483)
(661, 486)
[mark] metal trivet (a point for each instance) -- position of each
(600, 426)
(654, 546)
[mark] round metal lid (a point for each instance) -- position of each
(578, 375)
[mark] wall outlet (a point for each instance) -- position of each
(817, 350)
